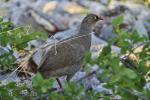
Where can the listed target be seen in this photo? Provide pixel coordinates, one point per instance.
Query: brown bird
(65, 58)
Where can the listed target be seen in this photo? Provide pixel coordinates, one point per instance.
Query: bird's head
(91, 19)
(88, 23)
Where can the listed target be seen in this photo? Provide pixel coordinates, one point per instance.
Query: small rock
(107, 32)
(10, 77)
(65, 34)
(147, 25)
(104, 2)
(94, 7)
(147, 86)
(3, 50)
(7, 49)
(128, 18)
(73, 8)
(101, 89)
(35, 43)
(117, 97)
(78, 75)
(90, 82)
(98, 44)
(139, 26)
(50, 6)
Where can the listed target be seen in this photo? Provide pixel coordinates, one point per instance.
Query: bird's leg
(61, 90)
(59, 83)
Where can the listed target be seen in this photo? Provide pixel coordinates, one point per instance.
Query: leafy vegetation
(125, 81)
(128, 83)
(14, 39)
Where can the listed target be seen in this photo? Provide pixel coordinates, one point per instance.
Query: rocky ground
(60, 19)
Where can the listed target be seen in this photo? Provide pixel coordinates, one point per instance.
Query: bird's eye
(95, 17)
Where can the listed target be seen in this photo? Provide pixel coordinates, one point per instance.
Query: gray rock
(90, 82)
(137, 10)
(10, 77)
(78, 75)
(139, 26)
(33, 43)
(107, 32)
(3, 50)
(98, 44)
(128, 18)
(65, 34)
(147, 25)
(101, 89)
(94, 7)
(105, 2)
(147, 86)
(7, 49)
(104, 30)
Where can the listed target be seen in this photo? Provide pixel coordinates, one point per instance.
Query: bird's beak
(101, 18)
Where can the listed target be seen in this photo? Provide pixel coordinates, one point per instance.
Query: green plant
(17, 39)
(12, 91)
(128, 82)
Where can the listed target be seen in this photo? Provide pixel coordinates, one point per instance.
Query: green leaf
(106, 51)
(41, 85)
(37, 80)
(115, 79)
(117, 21)
(87, 58)
(17, 38)
(129, 73)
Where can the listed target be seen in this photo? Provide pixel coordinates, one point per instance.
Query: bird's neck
(84, 32)
(85, 29)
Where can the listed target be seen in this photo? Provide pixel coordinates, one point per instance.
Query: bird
(65, 58)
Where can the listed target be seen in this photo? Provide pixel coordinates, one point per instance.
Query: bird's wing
(62, 55)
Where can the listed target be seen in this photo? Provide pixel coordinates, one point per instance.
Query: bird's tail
(27, 67)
